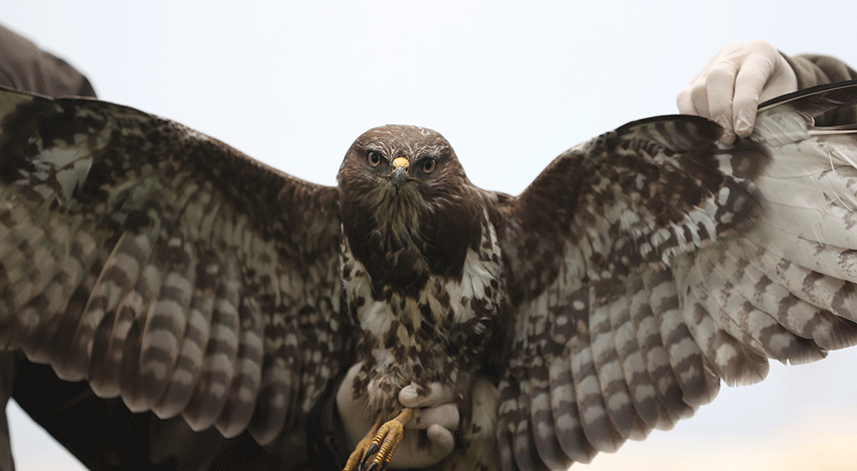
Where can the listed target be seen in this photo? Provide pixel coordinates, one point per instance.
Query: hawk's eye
(374, 158)
(429, 165)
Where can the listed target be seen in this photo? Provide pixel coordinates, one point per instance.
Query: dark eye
(374, 158)
(429, 165)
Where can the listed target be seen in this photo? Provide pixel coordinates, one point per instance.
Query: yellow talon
(381, 441)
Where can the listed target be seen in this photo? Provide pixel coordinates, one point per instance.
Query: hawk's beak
(400, 173)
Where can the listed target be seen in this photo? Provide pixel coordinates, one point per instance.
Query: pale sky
(510, 86)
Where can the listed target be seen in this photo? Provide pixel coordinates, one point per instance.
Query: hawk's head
(406, 203)
(401, 166)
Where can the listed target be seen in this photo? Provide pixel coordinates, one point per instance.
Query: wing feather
(693, 375)
(566, 419)
(619, 409)
(590, 403)
(221, 356)
(165, 267)
(654, 354)
(641, 391)
(547, 445)
(651, 263)
(798, 316)
(510, 413)
(188, 367)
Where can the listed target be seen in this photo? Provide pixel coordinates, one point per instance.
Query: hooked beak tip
(399, 178)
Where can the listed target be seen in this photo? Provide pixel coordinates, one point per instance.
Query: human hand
(730, 87)
(436, 413)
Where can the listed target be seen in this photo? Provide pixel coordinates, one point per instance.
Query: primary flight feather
(609, 298)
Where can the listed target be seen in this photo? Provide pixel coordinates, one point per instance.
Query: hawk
(608, 299)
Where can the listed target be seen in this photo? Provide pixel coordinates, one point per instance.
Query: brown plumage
(609, 298)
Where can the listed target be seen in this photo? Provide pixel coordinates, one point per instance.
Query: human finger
(445, 415)
(414, 452)
(749, 84)
(720, 88)
(699, 97)
(442, 443)
(352, 410)
(436, 395)
(684, 101)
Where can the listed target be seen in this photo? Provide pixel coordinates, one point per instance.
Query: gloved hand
(730, 87)
(436, 413)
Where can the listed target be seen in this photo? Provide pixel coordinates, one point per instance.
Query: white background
(510, 86)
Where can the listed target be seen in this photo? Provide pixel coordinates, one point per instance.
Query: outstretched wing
(165, 267)
(650, 263)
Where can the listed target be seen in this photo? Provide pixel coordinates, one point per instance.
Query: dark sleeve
(815, 69)
(23, 66)
(105, 436)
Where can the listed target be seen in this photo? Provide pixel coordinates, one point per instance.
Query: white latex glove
(730, 87)
(436, 413)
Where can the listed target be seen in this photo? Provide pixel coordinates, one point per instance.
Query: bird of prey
(608, 299)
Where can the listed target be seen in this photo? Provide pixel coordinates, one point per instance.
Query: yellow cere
(400, 162)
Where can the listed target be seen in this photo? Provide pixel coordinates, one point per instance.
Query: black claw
(373, 448)
(373, 467)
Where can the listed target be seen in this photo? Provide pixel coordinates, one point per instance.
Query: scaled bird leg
(381, 442)
(362, 446)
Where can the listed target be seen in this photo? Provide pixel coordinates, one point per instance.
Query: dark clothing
(812, 70)
(23, 66)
